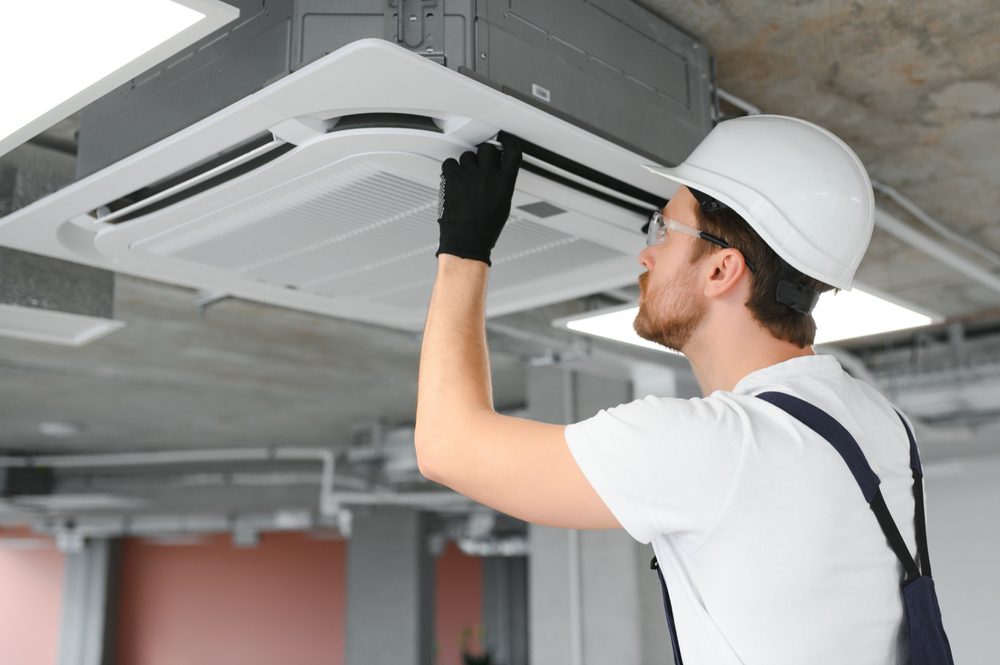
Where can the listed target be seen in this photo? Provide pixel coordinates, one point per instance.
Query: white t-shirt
(769, 550)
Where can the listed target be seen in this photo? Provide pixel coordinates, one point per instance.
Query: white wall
(963, 530)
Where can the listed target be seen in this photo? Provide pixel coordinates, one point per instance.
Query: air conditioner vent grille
(321, 225)
(388, 276)
(320, 235)
(546, 260)
(526, 253)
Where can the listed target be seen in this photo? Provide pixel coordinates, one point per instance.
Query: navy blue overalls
(927, 640)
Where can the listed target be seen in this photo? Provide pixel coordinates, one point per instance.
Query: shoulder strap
(827, 427)
(920, 523)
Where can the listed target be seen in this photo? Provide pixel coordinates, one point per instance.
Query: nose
(646, 258)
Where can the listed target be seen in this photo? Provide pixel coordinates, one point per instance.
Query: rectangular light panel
(61, 55)
(52, 327)
(839, 316)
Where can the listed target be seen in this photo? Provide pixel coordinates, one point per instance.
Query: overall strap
(827, 427)
(920, 524)
(669, 611)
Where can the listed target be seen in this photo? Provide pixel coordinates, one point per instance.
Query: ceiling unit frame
(319, 190)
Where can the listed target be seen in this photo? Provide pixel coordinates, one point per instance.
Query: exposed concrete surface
(913, 87)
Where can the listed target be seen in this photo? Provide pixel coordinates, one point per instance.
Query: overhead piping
(330, 500)
(926, 432)
(738, 102)
(921, 215)
(934, 248)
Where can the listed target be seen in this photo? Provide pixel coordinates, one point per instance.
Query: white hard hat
(801, 188)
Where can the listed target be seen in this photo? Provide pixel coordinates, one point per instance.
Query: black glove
(474, 200)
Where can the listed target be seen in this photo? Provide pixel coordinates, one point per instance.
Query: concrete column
(505, 608)
(390, 589)
(593, 598)
(89, 604)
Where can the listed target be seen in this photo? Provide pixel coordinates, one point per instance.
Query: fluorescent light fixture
(860, 313)
(63, 54)
(52, 327)
(839, 316)
(60, 429)
(60, 502)
(614, 323)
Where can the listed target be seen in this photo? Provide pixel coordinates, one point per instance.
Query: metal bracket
(417, 25)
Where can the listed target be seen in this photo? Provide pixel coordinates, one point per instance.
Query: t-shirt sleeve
(662, 465)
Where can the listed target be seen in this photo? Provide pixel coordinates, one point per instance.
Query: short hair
(780, 320)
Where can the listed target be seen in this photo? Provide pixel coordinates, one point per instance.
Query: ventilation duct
(305, 174)
(25, 481)
(54, 301)
(45, 299)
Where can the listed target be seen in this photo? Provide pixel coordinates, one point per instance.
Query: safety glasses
(659, 228)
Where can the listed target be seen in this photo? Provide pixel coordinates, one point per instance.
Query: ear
(726, 269)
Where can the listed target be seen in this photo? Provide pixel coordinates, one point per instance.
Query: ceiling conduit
(330, 502)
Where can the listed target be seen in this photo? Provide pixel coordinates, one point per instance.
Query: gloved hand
(474, 200)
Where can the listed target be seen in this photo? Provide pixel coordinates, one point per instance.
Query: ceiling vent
(43, 299)
(319, 191)
(25, 481)
(54, 301)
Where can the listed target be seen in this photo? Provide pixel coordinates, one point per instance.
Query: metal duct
(42, 298)
(31, 280)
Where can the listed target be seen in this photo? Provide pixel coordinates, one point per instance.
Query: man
(769, 549)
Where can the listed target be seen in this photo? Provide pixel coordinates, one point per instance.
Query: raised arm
(517, 466)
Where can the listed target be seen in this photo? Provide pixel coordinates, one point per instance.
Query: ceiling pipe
(935, 249)
(363, 494)
(330, 500)
(738, 102)
(925, 432)
(924, 217)
(70, 536)
(152, 458)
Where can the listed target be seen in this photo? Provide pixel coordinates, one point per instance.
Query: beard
(674, 332)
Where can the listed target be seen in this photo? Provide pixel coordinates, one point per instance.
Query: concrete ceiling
(234, 374)
(913, 87)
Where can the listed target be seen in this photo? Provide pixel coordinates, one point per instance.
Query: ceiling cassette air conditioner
(319, 192)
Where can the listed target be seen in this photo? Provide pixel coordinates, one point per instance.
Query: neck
(722, 352)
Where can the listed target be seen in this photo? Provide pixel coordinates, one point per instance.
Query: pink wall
(279, 602)
(459, 603)
(30, 601)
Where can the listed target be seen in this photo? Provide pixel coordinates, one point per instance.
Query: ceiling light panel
(839, 316)
(52, 327)
(69, 53)
(860, 313)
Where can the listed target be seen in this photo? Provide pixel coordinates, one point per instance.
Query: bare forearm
(519, 467)
(454, 384)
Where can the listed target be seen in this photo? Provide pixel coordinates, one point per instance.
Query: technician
(767, 544)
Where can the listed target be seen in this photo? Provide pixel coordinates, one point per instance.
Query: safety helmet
(801, 188)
